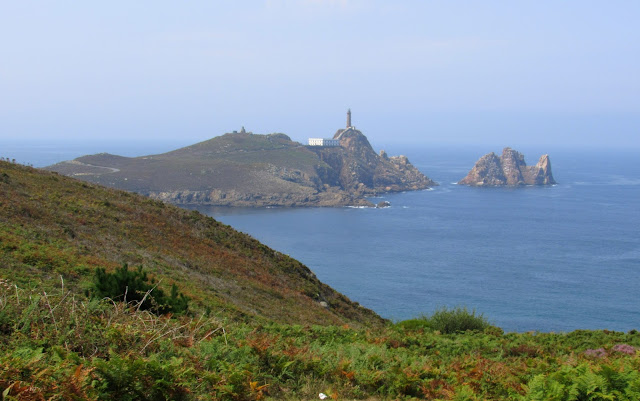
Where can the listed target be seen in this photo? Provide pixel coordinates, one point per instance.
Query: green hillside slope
(52, 226)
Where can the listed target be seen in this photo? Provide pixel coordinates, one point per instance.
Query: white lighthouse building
(326, 142)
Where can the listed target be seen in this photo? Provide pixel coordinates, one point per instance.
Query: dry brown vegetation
(52, 226)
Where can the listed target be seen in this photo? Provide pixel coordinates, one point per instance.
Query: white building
(323, 142)
(333, 142)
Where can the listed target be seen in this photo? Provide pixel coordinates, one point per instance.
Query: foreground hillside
(244, 169)
(257, 328)
(56, 346)
(54, 227)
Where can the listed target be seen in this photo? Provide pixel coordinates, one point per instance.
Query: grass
(449, 321)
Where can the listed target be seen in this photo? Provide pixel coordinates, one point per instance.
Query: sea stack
(508, 170)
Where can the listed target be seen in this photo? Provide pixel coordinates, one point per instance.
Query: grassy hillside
(250, 333)
(52, 226)
(227, 162)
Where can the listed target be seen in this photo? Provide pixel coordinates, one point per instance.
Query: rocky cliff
(244, 169)
(509, 169)
(359, 170)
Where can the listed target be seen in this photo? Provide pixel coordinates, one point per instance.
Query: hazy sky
(499, 72)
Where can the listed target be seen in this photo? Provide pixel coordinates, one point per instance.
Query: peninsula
(246, 169)
(509, 169)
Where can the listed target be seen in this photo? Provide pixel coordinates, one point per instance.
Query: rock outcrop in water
(509, 169)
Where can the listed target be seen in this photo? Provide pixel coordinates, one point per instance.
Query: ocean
(556, 258)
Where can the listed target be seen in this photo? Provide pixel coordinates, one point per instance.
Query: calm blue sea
(544, 259)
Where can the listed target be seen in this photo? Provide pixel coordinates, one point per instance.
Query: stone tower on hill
(348, 118)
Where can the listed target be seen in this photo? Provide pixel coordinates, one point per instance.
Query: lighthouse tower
(348, 118)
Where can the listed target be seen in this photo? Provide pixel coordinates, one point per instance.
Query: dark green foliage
(134, 286)
(5, 322)
(457, 319)
(178, 302)
(449, 321)
(122, 285)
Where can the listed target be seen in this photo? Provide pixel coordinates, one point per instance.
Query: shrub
(448, 321)
(625, 349)
(457, 319)
(134, 286)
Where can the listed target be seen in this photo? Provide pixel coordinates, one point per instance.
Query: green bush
(449, 321)
(134, 286)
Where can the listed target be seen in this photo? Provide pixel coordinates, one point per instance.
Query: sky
(435, 72)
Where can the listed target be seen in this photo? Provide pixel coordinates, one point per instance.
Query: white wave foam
(625, 181)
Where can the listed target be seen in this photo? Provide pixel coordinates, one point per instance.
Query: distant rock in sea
(508, 170)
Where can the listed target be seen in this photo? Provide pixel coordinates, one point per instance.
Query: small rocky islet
(509, 170)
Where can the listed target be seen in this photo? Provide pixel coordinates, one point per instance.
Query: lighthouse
(348, 118)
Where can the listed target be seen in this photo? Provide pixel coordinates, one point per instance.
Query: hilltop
(53, 227)
(245, 169)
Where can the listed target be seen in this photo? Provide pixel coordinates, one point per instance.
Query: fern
(586, 382)
(139, 379)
